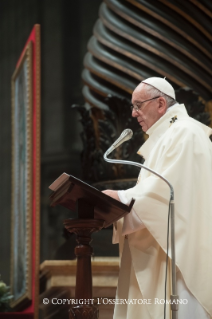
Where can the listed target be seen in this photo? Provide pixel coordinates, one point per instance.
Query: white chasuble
(180, 150)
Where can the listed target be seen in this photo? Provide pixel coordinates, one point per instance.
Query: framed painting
(26, 178)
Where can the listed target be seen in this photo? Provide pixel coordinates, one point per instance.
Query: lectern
(95, 211)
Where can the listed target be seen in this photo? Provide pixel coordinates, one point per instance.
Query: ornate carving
(84, 312)
(194, 104)
(101, 129)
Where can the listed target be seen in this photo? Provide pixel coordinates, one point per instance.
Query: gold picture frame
(21, 256)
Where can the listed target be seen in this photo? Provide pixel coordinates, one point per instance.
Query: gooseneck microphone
(125, 136)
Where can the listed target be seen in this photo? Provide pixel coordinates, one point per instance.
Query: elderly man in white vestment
(180, 150)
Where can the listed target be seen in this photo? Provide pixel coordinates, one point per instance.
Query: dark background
(66, 27)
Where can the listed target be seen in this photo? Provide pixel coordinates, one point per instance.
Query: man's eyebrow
(137, 102)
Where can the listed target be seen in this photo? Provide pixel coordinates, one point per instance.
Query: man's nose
(134, 113)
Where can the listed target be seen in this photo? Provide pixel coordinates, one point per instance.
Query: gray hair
(155, 92)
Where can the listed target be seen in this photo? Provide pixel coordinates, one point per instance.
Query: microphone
(125, 136)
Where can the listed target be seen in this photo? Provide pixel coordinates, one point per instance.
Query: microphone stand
(174, 297)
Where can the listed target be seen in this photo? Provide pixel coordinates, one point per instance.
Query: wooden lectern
(95, 211)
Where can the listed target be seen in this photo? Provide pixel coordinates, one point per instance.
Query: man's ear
(162, 107)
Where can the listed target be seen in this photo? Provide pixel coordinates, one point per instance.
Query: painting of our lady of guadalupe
(21, 189)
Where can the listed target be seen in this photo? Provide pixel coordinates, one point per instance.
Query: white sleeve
(132, 222)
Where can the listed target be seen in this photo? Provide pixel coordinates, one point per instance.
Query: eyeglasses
(137, 108)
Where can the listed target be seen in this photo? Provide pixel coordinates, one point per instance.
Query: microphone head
(125, 136)
(128, 133)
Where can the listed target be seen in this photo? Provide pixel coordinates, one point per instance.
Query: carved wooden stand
(73, 194)
(83, 228)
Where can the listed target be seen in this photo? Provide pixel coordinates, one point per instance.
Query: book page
(59, 182)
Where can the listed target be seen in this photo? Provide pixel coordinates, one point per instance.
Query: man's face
(150, 111)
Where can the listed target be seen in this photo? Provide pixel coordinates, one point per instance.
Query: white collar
(169, 108)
